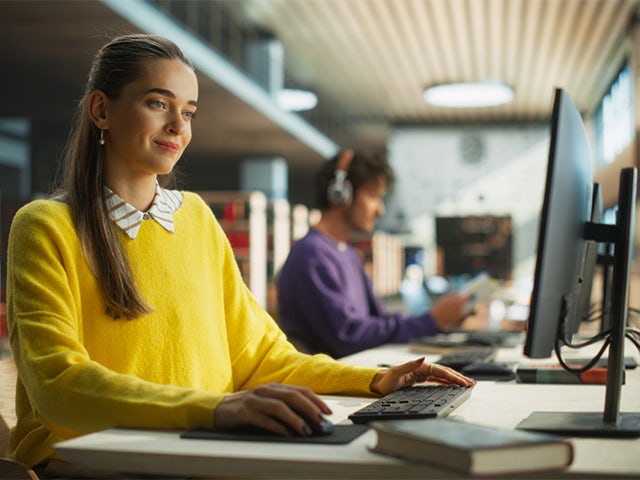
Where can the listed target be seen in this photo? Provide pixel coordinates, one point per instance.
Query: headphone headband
(340, 191)
(344, 160)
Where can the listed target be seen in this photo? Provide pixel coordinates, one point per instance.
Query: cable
(632, 334)
(633, 340)
(590, 341)
(591, 363)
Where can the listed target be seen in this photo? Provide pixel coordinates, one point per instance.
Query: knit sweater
(81, 371)
(327, 304)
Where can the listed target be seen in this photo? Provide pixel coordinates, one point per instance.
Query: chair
(9, 469)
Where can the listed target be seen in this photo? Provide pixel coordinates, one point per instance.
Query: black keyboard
(458, 359)
(414, 402)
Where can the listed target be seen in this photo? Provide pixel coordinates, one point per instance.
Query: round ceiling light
(468, 95)
(293, 100)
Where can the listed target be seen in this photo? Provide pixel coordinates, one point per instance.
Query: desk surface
(501, 404)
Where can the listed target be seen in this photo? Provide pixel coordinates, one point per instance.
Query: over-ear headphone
(340, 191)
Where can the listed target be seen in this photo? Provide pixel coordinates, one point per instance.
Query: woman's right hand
(279, 408)
(416, 371)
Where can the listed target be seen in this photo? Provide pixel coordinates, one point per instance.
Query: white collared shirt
(128, 218)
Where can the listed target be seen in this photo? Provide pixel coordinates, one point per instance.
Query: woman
(125, 305)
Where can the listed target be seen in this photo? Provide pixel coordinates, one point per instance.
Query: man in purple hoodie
(325, 299)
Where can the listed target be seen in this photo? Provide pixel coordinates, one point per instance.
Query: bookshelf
(383, 258)
(388, 263)
(299, 222)
(280, 231)
(243, 217)
(259, 232)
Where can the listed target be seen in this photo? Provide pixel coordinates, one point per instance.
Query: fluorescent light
(296, 100)
(467, 95)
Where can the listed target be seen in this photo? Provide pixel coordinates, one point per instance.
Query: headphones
(340, 191)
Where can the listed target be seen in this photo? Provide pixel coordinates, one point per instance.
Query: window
(614, 124)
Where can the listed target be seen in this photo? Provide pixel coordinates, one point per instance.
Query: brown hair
(117, 64)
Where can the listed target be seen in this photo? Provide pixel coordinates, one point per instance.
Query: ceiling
(46, 48)
(368, 60)
(374, 57)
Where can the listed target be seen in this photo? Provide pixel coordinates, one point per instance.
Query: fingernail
(420, 360)
(306, 430)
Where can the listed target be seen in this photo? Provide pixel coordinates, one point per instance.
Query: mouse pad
(342, 434)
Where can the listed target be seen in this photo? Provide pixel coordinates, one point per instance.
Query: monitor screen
(561, 245)
(475, 243)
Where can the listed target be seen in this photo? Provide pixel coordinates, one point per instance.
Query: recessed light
(293, 100)
(468, 95)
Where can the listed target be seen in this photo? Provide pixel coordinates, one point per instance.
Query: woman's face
(149, 125)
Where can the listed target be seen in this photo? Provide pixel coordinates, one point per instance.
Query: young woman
(125, 305)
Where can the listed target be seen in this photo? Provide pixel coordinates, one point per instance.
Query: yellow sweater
(82, 371)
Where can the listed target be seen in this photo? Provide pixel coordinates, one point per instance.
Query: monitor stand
(608, 424)
(611, 423)
(582, 424)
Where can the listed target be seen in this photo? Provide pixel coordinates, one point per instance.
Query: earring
(101, 140)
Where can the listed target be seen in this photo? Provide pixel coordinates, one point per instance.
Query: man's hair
(364, 168)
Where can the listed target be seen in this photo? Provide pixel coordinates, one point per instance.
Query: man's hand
(448, 311)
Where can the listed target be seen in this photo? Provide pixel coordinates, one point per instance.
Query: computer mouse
(488, 371)
(325, 427)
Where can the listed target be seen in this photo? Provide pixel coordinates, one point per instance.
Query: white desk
(492, 403)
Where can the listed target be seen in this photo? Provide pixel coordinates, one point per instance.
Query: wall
(475, 170)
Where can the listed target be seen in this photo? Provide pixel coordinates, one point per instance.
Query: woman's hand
(281, 409)
(416, 371)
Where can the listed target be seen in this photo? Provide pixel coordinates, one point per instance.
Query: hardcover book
(472, 449)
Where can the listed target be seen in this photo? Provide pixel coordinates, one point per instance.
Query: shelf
(259, 233)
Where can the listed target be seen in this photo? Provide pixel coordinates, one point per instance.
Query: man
(326, 300)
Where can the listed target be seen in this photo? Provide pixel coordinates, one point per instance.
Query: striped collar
(128, 218)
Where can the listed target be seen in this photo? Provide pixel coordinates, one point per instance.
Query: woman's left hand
(416, 371)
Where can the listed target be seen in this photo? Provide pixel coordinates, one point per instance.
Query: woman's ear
(97, 106)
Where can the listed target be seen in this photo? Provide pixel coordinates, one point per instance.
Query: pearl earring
(101, 140)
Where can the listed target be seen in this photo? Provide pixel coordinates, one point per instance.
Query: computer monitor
(566, 208)
(564, 232)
